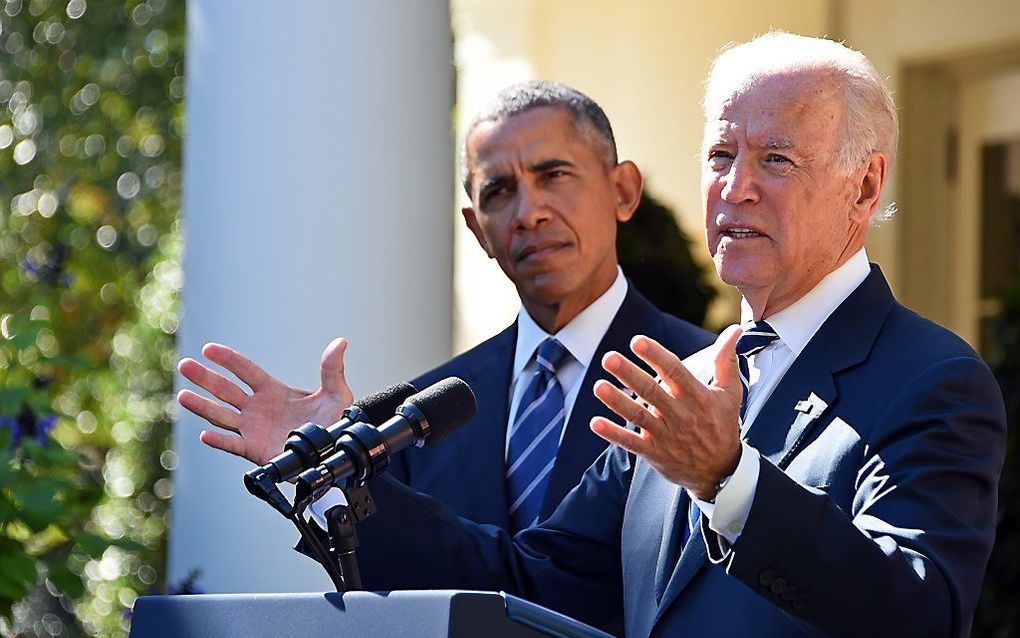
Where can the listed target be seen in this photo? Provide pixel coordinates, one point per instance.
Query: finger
(225, 442)
(209, 410)
(629, 440)
(666, 364)
(727, 372)
(630, 375)
(213, 382)
(332, 368)
(629, 409)
(241, 366)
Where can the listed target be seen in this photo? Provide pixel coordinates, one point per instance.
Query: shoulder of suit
(682, 337)
(465, 362)
(908, 334)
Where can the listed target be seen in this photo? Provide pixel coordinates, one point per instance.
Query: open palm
(257, 423)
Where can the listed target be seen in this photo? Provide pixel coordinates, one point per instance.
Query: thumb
(727, 374)
(332, 367)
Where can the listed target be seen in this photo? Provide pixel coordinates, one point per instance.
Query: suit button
(777, 586)
(766, 577)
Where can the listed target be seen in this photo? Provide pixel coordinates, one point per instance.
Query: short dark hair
(588, 118)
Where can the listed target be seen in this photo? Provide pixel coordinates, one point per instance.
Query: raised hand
(689, 432)
(257, 426)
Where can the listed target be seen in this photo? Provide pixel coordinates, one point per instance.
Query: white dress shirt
(795, 326)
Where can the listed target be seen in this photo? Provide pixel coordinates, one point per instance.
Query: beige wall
(932, 260)
(645, 60)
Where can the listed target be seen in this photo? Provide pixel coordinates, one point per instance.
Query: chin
(741, 273)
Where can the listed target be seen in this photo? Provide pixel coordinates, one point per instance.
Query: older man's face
(777, 215)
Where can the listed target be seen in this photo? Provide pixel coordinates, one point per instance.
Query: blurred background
(271, 175)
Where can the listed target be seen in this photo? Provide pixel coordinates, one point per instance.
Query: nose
(739, 184)
(532, 207)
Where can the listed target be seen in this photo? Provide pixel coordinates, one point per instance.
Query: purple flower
(43, 426)
(13, 426)
(29, 424)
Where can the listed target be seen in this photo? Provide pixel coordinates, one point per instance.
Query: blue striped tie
(535, 437)
(756, 337)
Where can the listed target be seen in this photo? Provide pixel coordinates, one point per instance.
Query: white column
(317, 203)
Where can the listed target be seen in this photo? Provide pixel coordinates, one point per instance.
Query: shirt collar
(797, 323)
(581, 337)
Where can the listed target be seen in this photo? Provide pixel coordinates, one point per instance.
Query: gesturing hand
(258, 428)
(689, 432)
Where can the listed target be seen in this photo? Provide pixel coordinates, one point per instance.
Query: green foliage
(656, 255)
(91, 119)
(998, 613)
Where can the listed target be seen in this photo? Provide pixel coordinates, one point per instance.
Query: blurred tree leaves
(998, 613)
(91, 120)
(656, 255)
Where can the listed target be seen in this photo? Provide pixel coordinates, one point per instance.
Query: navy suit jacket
(874, 512)
(466, 470)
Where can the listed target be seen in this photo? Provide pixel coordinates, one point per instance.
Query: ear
(472, 222)
(869, 189)
(628, 183)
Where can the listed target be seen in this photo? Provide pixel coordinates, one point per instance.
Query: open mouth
(741, 233)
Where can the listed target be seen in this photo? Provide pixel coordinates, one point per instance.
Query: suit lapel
(806, 392)
(483, 454)
(808, 389)
(580, 446)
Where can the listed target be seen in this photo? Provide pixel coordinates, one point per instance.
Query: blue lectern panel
(452, 614)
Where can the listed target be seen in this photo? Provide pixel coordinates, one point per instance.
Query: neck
(766, 302)
(552, 317)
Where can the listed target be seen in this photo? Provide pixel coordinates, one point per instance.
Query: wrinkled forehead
(779, 106)
(523, 139)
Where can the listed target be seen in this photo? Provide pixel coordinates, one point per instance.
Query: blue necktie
(755, 338)
(535, 437)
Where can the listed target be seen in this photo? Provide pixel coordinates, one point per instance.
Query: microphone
(364, 451)
(310, 443)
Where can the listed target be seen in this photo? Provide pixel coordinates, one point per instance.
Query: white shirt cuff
(333, 497)
(728, 515)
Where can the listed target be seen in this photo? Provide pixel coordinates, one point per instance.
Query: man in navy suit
(828, 468)
(547, 191)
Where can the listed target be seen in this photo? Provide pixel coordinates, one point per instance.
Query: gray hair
(589, 119)
(870, 123)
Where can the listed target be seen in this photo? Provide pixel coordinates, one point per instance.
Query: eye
(718, 158)
(776, 158)
(492, 195)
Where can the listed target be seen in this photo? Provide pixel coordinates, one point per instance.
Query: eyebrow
(499, 179)
(780, 144)
(549, 164)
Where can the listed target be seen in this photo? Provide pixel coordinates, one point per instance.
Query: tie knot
(756, 336)
(550, 354)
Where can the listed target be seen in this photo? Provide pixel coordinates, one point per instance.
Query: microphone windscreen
(380, 406)
(447, 405)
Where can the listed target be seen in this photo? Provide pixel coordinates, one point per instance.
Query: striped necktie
(756, 337)
(535, 437)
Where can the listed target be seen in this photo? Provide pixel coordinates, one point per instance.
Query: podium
(447, 613)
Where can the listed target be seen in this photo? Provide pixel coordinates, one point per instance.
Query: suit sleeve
(571, 563)
(908, 559)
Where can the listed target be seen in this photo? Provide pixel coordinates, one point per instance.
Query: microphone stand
(339, 560)
(343, 537)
